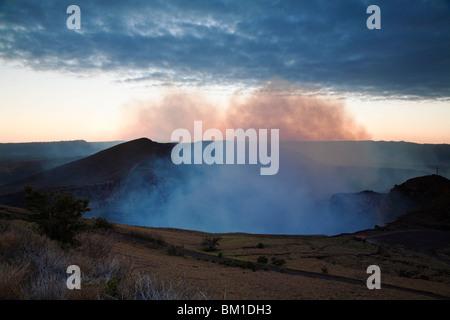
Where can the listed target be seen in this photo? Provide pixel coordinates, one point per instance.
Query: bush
(278, 262)
(174, 250)
(149, 287)
(262, 259)
(210, 244)
(57, 215)
(102, 223)
(95, 245)
(110, 288)
(239, 264)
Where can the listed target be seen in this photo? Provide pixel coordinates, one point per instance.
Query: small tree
(56, 214)
(210, 243)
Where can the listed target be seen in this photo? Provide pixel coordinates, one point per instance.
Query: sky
(145, 68)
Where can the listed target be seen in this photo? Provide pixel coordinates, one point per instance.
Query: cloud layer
(239, 42)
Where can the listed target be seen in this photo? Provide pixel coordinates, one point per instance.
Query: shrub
(239, 264)
(262, 259)
(278, 262)
(95, 245)
(102, 223)
(210, 244)
(174, 250)
(150, 287)
(57, 215)
(110, 288)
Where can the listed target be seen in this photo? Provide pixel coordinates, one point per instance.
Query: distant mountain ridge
(420, 211)
(21, 160)
(421, 201)
(387, 154)
(104, 167)
(132, 176)
(27, 151)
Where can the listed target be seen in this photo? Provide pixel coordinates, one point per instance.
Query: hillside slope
(106, 167)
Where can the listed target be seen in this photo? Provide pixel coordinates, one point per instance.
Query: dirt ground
(284, 267)
(316, 267)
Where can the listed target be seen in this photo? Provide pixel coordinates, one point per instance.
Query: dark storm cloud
(226, 42)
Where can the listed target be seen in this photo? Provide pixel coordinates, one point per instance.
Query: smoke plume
(276, 105)
(226, 198)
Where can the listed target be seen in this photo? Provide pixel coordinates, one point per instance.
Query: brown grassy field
(242, 266)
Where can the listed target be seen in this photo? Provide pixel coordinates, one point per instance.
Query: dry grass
(339, 256)
(34, 267)
(129, 262)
